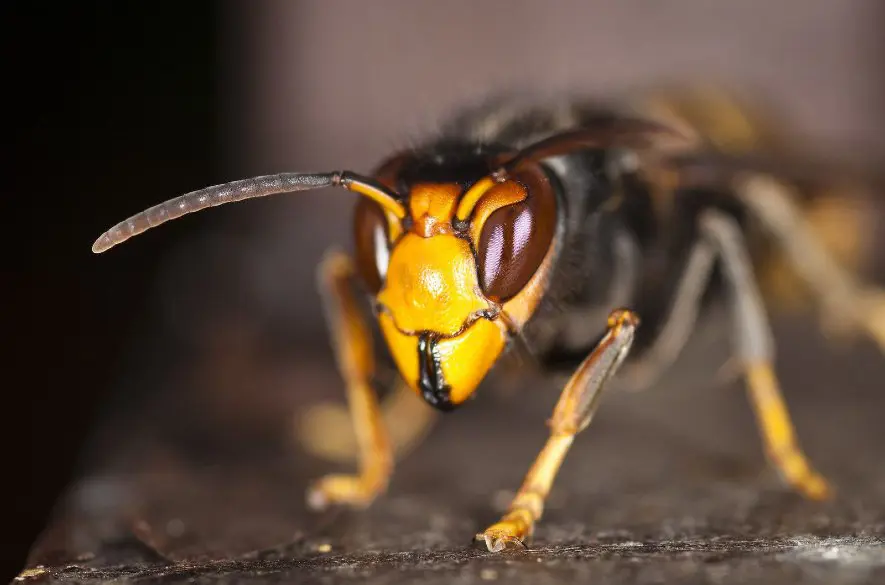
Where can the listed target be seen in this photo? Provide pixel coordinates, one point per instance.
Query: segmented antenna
(210, 197)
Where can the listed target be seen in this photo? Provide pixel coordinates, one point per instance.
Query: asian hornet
(535, 226)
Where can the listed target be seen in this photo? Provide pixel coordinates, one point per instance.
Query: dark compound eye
(515, 238)
(372, 247)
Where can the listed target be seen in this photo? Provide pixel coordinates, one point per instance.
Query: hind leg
(844, 302)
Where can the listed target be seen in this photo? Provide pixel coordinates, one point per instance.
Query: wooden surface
(665, 486)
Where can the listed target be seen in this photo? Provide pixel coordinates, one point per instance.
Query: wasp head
(458, 275)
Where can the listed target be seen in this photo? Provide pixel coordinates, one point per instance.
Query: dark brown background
(198, 344)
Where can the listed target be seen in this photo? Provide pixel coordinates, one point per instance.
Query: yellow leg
(777, 432)
(574, 410)
(754, 348)
(353, 350)
(326, 429)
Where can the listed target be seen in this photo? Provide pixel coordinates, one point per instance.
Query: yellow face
(442, 328)
(433, 316)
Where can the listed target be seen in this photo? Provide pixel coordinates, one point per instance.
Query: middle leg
(721, 239)
(754, 347)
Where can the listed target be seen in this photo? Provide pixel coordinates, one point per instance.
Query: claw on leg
(511, 532)
(780, 441)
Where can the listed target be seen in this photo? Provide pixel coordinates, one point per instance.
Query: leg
(754, 346)
(353, 349)
(681, 319)
(575, 408)
(843, 301)
(326, 429)
(755, 350)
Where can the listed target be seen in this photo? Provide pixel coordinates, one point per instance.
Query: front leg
(353, 350)
(576, 406)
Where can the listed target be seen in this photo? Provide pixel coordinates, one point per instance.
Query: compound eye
(372, 246)
(515, 240)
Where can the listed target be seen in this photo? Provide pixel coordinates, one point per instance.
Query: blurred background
(204, 337)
